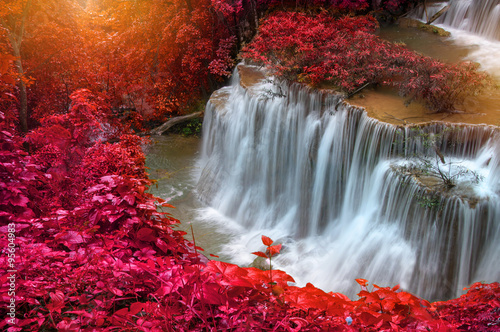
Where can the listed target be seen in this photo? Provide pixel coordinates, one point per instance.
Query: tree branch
(172, 122)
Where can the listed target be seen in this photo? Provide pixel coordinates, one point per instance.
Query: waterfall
(333, 186)
(473, 24)
(478, 17)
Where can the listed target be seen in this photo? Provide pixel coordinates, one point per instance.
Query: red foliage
(478, 310)
(394, 7)
(162, 56)
(8, 100)
(351, 5)
(398, 7)
(346, 54)
(338, 5)
(17, 176)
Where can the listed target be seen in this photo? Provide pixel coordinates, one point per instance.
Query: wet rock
(412, 23)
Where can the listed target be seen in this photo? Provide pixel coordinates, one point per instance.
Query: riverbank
(386, 106)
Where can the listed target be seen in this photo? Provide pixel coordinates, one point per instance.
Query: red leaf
(405, 297)
(274, 250)
(122, 312)
(267, 241)
(260, 254)
(213, 294)
(130, 199)
(19, 200)
(362, 282)
(168, 205)
(136, 307)
(388, 305)
(57, 302)
(340, 296)
(224, 268)
(280, 277)
(368, 319)
(116, 291)
(146, 234)
(234, 275)
(58, 296)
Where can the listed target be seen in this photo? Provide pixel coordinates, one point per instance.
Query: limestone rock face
(250, 75)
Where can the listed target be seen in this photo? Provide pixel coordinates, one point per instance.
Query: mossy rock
(412, 23)
(434, 29)
(260, 263)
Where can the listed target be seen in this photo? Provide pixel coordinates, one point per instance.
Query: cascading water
(472, 23)
(478, 17)
(336, 188)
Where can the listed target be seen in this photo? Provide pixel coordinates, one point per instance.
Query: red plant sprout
(270, 252)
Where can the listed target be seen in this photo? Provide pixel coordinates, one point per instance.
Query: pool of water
(442, 48)
(172, 163)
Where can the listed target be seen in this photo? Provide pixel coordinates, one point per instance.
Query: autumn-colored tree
(156, 57)
(395, 7)
(8, 99)
(43, 38)
(56, 57)
(160, 54)
(13, 16)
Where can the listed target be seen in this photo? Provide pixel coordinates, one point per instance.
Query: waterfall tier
(478, 17)
(348, 196)
(473, 24)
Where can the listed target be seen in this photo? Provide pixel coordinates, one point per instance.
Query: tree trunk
(172, 122)
(23, 96)
(15, 35)
(437, 15)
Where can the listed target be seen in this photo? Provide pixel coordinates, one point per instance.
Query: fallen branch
(172, 122)
(349, 95)
(437, 15)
